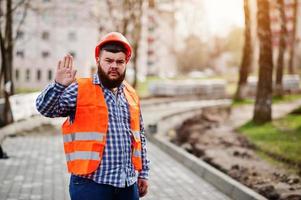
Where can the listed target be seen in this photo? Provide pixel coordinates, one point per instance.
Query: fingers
(142, 186)
(142, 191)
(68, 62)
(59, 65)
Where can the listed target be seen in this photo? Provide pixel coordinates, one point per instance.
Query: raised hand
(65, 74)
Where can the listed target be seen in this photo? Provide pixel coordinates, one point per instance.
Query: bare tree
(247, 55)
(291, 68)
(129, 24)
(136, 16)
(263, 103)
(194, 56)
(7, 41)
(282, 47)
(118, 12)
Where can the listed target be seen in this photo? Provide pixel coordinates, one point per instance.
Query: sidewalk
(36, 170)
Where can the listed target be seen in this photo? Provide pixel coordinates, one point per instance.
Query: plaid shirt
(116, 167)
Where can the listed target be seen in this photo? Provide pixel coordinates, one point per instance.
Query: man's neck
(114, 90)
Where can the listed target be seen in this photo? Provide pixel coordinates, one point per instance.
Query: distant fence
(22, 106)
(290, 83)
(208, 89)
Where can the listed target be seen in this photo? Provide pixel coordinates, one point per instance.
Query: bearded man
(104, 140)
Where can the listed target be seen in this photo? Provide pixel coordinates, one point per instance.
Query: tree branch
(22, 19)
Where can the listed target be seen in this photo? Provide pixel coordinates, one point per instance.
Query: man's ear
(97, 59)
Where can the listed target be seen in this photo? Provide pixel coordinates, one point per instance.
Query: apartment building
(53, 28)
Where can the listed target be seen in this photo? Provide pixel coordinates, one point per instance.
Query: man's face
(111, 68)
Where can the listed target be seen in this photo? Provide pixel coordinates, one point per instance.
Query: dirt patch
(211, 137)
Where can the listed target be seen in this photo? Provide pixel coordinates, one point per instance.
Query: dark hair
(114, 47)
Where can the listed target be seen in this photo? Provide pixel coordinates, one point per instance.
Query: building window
(20, 54)
(150, 52)
(17, 74)
(20, 34)
(49, 75)
(27, 75)
(72, 36)
(45, 54)
(73, 54)
(45, 35)
(38, 75)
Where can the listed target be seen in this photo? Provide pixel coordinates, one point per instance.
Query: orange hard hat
(114, 37)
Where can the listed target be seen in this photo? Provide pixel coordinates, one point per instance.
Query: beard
(107, 82)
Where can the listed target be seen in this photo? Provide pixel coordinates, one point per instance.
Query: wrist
(59, 87)
(60, 83)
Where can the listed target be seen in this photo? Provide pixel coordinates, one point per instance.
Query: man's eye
(120, 62)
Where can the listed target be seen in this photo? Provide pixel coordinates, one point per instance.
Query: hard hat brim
(126, 45)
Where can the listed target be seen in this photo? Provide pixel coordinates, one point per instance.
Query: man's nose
(114, 64)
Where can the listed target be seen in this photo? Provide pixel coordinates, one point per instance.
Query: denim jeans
(86, 189)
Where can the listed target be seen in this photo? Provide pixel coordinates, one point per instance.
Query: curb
(25, 125)
(221, 181)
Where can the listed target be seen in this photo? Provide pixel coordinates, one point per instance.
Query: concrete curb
(25, 125)
(221, 181)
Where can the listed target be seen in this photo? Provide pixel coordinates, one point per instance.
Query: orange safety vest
(85, 138)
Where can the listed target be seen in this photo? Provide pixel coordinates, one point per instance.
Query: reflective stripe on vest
(82, 155)
(136, 135)
(136, 153)
(83, 136)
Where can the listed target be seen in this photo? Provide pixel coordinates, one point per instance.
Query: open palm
(65, 74)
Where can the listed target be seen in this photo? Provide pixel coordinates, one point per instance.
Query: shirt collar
(97, 81)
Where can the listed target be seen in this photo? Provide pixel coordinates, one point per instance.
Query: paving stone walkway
(36, 170)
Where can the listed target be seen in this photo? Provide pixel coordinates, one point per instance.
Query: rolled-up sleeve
(57, 100)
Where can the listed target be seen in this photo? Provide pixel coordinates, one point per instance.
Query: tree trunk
(136, 40)
(3, 59)
(247, 56)
(282, 46)
(126, 8)
(7, 56)
(291, 68)
(263, 103)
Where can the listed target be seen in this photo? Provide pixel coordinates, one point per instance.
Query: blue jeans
(86, 189)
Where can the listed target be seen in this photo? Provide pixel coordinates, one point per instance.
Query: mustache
(106, 81)
(114, 71)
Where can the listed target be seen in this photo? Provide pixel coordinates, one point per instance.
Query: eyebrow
(117, 60)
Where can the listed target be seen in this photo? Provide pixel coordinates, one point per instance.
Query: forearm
(54, 101)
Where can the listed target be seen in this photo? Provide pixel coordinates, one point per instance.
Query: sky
(206, 18)
(221, 15)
